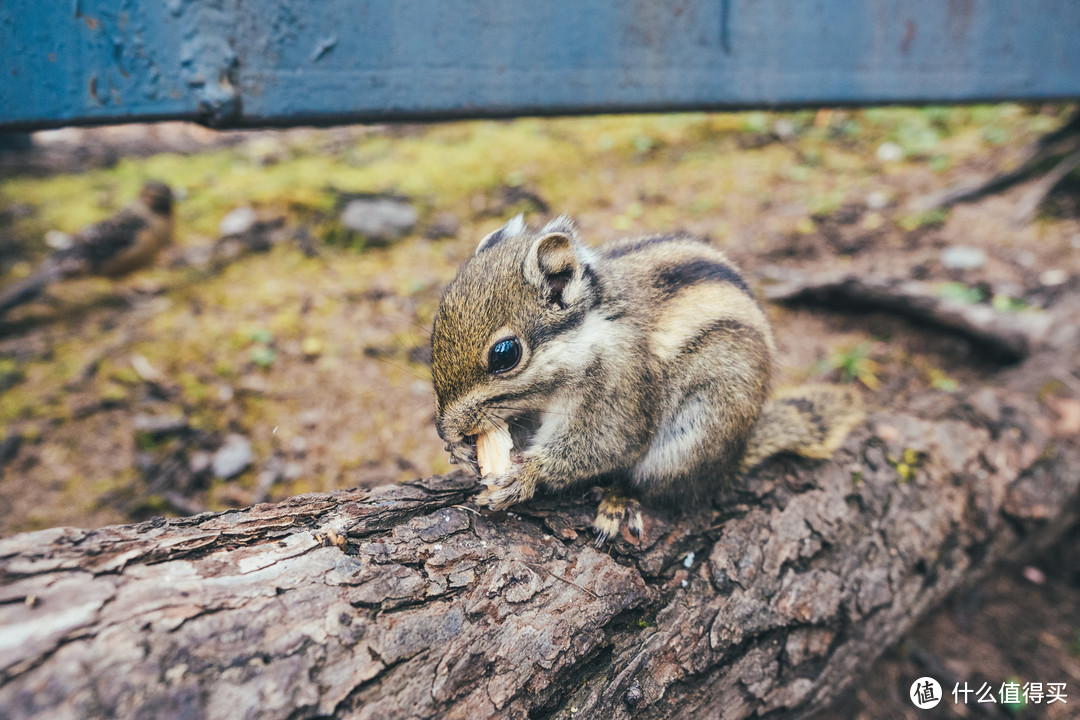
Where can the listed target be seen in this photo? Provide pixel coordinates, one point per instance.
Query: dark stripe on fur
(596, 286)
(496, 237)
(728, 327)
(548, 387)
(670, 280)
(568, 320)
(640, 245)
(589, 274)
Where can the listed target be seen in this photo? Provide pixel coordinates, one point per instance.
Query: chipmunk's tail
(810, 420)
(26, 289)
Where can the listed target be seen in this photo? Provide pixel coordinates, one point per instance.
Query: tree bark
(407, 602)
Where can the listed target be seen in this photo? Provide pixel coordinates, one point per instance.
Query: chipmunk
(642, 365)
(129, 240)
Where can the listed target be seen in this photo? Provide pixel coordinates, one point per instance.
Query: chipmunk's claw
(509, 488)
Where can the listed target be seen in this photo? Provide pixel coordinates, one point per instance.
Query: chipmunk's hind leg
(615, 508)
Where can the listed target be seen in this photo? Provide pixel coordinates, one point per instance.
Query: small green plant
(960, 291)
(939, 163)
(930, 218)
(146, 442)
(941, 381)
(855, 363)
(1005, 303)
(644, 143)
(261, 335)
(907, 464)
(263, 356)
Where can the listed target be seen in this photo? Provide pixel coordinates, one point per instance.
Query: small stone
(784, 129)
(252, 385)
(1034, 575)
(145, 370)
(158, 425)
(379, 219)
(299, 446)
(58, 240)
(312, 347)
(310, 418)
(1057, 276)
(877, 200)
(890, 152)
(232, 457)
(237, 222)
(963, 257)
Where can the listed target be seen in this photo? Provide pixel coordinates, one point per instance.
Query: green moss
(930, 218)
(194, 389)
(111, 393)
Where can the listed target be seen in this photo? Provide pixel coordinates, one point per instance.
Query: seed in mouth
(493, 448)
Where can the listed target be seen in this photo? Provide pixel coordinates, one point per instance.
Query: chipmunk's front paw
(510, 488)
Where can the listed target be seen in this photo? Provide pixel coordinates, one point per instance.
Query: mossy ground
(234, 347)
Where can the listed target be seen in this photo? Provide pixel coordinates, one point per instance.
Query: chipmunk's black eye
(504, 355)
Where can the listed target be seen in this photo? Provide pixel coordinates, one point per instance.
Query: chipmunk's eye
(504, 355)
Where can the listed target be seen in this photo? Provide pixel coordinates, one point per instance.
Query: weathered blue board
(257, 62)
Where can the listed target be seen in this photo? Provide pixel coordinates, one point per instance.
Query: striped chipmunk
(642, 366)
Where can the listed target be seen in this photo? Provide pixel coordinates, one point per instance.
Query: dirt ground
(306, 342)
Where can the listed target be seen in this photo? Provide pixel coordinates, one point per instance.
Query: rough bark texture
(406, 602)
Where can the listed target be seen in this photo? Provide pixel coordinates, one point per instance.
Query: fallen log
(408, 602)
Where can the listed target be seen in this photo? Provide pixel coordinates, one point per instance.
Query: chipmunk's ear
(515, 227)
(556, 263)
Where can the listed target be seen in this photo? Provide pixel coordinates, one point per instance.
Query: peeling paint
(233, 63)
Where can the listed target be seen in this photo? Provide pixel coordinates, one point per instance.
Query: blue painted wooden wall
(287, 62)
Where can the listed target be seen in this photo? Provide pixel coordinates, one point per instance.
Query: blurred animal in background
(128, 241)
